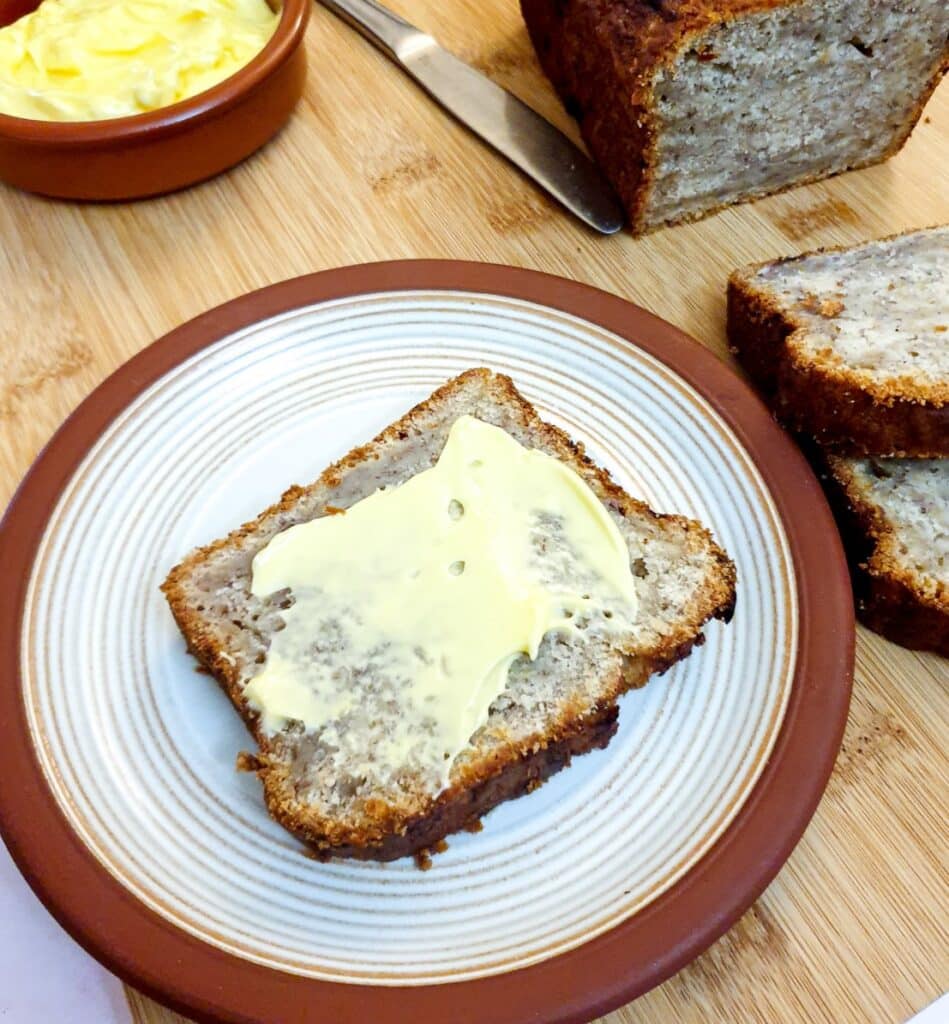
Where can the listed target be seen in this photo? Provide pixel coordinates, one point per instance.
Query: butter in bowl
(121, 99)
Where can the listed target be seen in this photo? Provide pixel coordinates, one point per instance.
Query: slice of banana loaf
(851, 346)
(894, 517)
(690, 105)
(330, 784)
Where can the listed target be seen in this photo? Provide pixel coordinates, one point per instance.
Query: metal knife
(510, 126)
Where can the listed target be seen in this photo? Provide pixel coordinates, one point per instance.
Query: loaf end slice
(692, 105)
(559, 705)
(851, 346)
(894, 518)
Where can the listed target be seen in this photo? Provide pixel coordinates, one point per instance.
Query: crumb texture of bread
(851, 345)
(909, 503)
(552, 708)
(878, 313)
(894, 514)
(691, 105)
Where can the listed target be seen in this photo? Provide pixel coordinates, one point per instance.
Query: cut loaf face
(852, 346)
(691, 105)
(562, 703)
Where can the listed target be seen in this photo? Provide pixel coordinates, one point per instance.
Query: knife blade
(506, 123)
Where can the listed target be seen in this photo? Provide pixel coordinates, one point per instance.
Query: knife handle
(380, 26)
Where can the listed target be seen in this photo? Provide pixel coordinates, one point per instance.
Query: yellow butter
(87, 60)
(437, 585)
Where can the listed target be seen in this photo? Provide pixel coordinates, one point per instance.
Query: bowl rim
(279, 48)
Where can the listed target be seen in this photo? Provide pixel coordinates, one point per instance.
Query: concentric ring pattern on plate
(140, 750)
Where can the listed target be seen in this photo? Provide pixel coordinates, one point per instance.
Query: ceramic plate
(141, 836)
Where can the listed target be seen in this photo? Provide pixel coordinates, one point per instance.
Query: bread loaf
(690, 105)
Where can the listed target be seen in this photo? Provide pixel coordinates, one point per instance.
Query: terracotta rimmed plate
(128, 818)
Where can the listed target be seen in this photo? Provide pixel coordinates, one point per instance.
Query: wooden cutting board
(854, 928)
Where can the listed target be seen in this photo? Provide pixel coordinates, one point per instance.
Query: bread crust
(480, 784)
(887, 595)
(602, 57)
(456, 812)
(579, 48)
(840, 411)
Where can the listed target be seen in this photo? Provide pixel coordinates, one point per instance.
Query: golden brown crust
(506, 767)
(602, 57)
(459, 809)
(890, 598)
(578, 46)
(841, 409)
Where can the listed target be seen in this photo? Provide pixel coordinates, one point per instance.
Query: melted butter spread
(413, 604)
(87, 60)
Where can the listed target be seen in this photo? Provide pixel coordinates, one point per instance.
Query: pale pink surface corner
(44, 975)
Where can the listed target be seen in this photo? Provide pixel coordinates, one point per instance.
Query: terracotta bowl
(165, 149)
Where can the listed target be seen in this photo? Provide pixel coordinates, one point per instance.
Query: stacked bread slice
(851, 349)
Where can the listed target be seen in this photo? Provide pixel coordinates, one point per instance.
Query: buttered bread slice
(441, 620)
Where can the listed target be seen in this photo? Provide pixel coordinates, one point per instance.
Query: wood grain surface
(854, 929)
